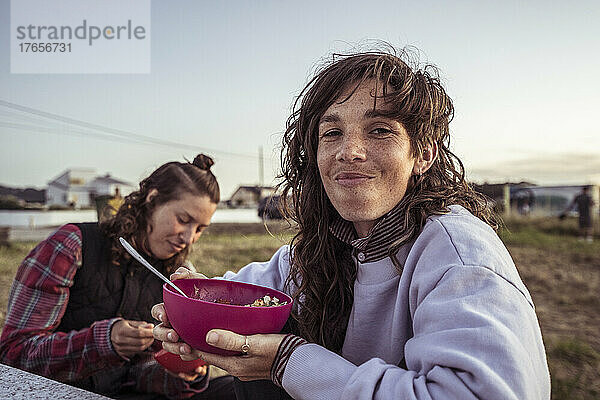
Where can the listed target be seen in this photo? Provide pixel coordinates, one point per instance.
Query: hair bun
(203, 162)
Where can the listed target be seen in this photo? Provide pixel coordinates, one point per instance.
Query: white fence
(40, 219)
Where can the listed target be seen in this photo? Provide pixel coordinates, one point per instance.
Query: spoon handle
(146, 264)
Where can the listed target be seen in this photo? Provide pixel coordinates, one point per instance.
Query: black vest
(102, 290)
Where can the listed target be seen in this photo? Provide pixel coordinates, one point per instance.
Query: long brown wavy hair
(322, 269)
(171, 180)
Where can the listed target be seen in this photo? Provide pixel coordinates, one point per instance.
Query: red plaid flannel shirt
(37, 302)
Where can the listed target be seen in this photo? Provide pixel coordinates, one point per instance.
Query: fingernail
(171, 336)
(212, 337)
(184, 349)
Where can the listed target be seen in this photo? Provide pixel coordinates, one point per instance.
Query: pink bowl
(174, 363)
(192, 318)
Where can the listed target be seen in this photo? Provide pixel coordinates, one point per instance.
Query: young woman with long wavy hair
(402, 288)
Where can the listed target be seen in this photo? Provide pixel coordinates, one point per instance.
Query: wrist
(102, 331)
(287, 346)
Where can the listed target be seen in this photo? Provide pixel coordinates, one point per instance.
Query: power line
(112, 132)
(68, 132)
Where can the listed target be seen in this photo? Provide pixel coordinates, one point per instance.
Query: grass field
(562, 274)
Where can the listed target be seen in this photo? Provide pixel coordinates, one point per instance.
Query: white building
(79, 187)
(107, 185)
(249, 196)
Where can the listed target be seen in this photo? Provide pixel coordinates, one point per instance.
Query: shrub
(55, 207)
(10, 203)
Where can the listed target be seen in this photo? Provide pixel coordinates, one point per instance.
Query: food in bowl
(265, 301)
(223, 304)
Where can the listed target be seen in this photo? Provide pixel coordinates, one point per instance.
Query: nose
(187, 236)
(351, 148)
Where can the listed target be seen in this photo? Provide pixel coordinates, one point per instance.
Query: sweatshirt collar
(374, 246)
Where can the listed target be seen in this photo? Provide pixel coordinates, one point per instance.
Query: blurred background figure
(107, 205)
(583, 203)
(525, 201)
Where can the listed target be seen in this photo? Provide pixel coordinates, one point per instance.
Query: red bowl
(192, 318)
(174, 363)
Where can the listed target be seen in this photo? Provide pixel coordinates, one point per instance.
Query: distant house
(250, 196)
(106, 184)
(79, 187)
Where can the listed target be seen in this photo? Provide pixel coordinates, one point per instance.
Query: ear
(151, 194)
(425, 160)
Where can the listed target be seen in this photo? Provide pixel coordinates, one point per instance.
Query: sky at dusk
(523, 77)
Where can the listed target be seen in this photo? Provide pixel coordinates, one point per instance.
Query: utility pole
(506, 196)
(261, 167)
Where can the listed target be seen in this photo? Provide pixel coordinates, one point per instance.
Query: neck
(141, 248)
(363, 227)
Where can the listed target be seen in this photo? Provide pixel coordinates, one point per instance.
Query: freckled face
(364, 159)
(177, 224)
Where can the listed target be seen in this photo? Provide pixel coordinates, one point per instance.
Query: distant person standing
(525, 201)
(584, 204)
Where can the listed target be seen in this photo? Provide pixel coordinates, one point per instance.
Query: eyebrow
(330, 118)
(188, 215)
(193, 219)
(376, 114)
(369, 114)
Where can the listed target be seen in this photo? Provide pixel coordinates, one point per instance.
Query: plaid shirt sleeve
(37, 301)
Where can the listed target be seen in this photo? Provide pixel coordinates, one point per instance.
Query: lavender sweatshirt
(459, 314)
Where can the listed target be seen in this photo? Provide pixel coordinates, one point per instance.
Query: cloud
(548, 169)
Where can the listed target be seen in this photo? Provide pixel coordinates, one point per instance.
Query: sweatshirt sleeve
(272, 273)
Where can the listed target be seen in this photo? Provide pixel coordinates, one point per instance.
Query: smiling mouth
(176, 247)
(351, 179)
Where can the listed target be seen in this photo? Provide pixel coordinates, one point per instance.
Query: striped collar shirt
(375, 245)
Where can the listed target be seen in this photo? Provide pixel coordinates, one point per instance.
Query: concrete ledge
(20, 385)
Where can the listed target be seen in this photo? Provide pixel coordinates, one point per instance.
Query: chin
(169, 255)
(354, 210)
(357, 215)
(164, 255)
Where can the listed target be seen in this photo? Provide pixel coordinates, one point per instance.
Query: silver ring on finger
(245, 346)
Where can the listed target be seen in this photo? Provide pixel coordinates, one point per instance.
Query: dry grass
(218, 253)
(10, 257)
(562, 274)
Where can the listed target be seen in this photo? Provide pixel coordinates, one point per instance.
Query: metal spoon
(146, 264)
